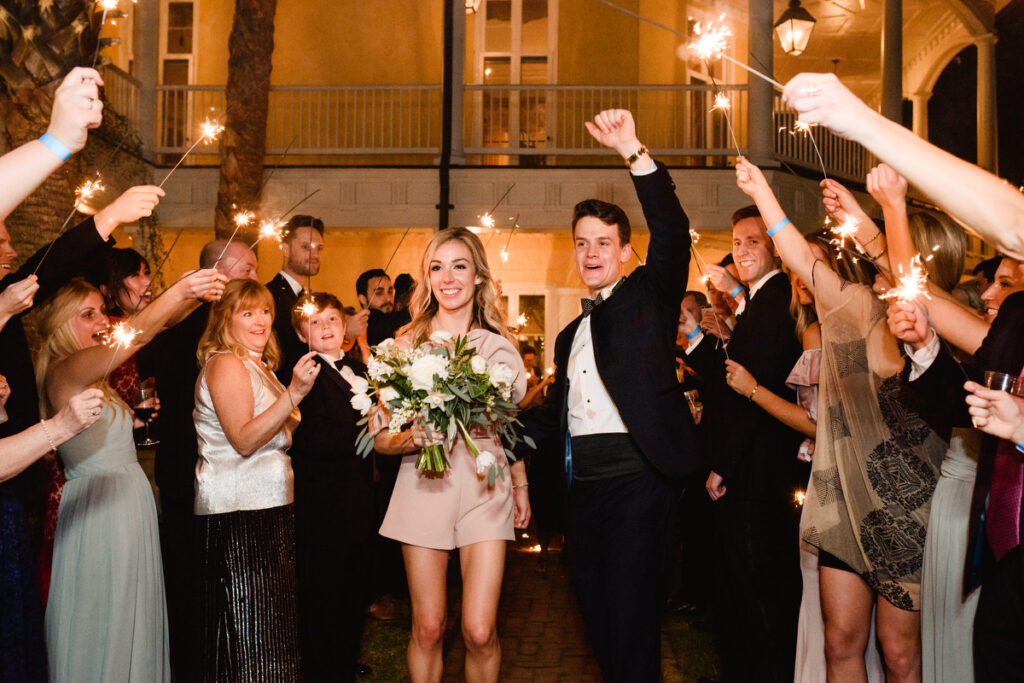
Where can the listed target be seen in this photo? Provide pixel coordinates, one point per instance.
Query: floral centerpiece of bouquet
(451, 389)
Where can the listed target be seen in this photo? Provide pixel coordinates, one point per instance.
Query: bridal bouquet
(451, 388)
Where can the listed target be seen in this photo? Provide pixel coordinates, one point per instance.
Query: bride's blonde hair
(487, 313)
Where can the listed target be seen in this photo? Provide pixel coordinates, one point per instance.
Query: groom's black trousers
(617, 549)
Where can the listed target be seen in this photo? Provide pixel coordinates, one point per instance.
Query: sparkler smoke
(208, 132)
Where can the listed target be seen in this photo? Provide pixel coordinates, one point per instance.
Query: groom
(618, 406)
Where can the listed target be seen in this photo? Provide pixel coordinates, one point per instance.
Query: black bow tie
(589, 304)
(340, 363)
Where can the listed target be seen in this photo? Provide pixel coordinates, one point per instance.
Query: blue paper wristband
(778, 226)
(1020, 447)
(55, 146)
(736, 291)
(693, 335)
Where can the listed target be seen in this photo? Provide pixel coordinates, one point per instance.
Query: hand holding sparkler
(206, 285)
(823, 99)
(908, 324)
(303, 375)
(720, 278)
(713, 324)
(17, 298)
(615, 129)
(355, 324)
(840, 203)
(739, 379)
(134, 203)
(751, 180)
(76, 108)
(887, 187)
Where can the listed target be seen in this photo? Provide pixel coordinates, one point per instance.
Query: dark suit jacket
(381, 326)
(634, 335)
(940, 388)
(291, 347)
(72, 252)
(174, 364)
(754, 452)
(333, 485)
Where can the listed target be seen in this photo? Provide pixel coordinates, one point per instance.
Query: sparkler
(846, 231)
(83, 193)
(521, 320)
(106, 6)
(504, 253)
(121, 336)
(308, 308)
(723, 104)
(711, 43)
(208, 132)
(910, 284)
(804, 127)
(487, 220)
(705, 279)
(241, 219)
(799, 497)
(397, 246)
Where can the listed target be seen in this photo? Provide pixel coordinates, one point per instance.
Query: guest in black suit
(300, 252)
(754, 473)
(376, 294)
(174, 364)
(335, 521)
(617, 401)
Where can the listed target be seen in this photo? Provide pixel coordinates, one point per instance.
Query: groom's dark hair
(607, 213)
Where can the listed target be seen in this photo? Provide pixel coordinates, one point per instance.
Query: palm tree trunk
(243, 142)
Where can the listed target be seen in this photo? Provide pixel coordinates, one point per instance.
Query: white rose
(479, 365)
(385, 346)
(387, 394)
(501, 375)
(421, 372)
(440, 337)
(436, 399)
(359, 385)
(362, 403)
(484, 461)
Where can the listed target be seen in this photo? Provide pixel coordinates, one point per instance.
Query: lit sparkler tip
(122, 334)
(709, 41)
(722, 102)
(799, 497)
(86, 190)
(308, 308)
(503, 255)
(521, 320)
(911, 284)
(209, 130)
(243, 218)
(487, 220)
(107, 5)
(694, 236)
(271, 228)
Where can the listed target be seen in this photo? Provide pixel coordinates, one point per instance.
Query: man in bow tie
(618, 406)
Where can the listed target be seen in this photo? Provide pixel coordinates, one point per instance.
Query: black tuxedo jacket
(333, 484)
(634, 334)
(291, 347)
(72, 252)
(381, 326)
(176, 368)
(754, 452)
(940, 388)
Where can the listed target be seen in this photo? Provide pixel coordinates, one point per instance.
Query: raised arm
(790, 244)
(992, 207)
(889, 189)
(842, 206)
(231, 393)
(76, 109)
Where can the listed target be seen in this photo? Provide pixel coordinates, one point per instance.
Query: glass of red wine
(145, 408)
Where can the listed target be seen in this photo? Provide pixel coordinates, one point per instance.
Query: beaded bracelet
(46, 430)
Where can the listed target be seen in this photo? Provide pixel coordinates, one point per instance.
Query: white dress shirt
(591, 409)
(923, 358)
(292, 282)
(753, 290)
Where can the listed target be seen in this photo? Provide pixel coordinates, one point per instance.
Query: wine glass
(145, 407)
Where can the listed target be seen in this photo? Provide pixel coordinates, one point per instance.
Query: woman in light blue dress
(106, 619)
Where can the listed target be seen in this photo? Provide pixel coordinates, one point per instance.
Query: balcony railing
(502, 124)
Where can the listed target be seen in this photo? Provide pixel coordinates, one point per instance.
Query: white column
(458, 157)
(988, 135)
(760, 116)
(920, 100)
(892, 60)
(146, 24)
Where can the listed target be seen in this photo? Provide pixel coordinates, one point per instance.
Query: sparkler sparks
(208, 132)
(308, 308)
(722, 102)
(243, 218)
(694, 236)
(86, 190)
(272, 228)
(799, 497)
(845, 231)
(521, 320)
(107, 5)
(121, 336)
(487, 220)
(711, 40)
(910, 284)
(503, 255)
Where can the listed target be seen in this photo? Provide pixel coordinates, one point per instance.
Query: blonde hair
(861, 272)
(487, 314)
(239, 295)
(930, 229)
(59, 340)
